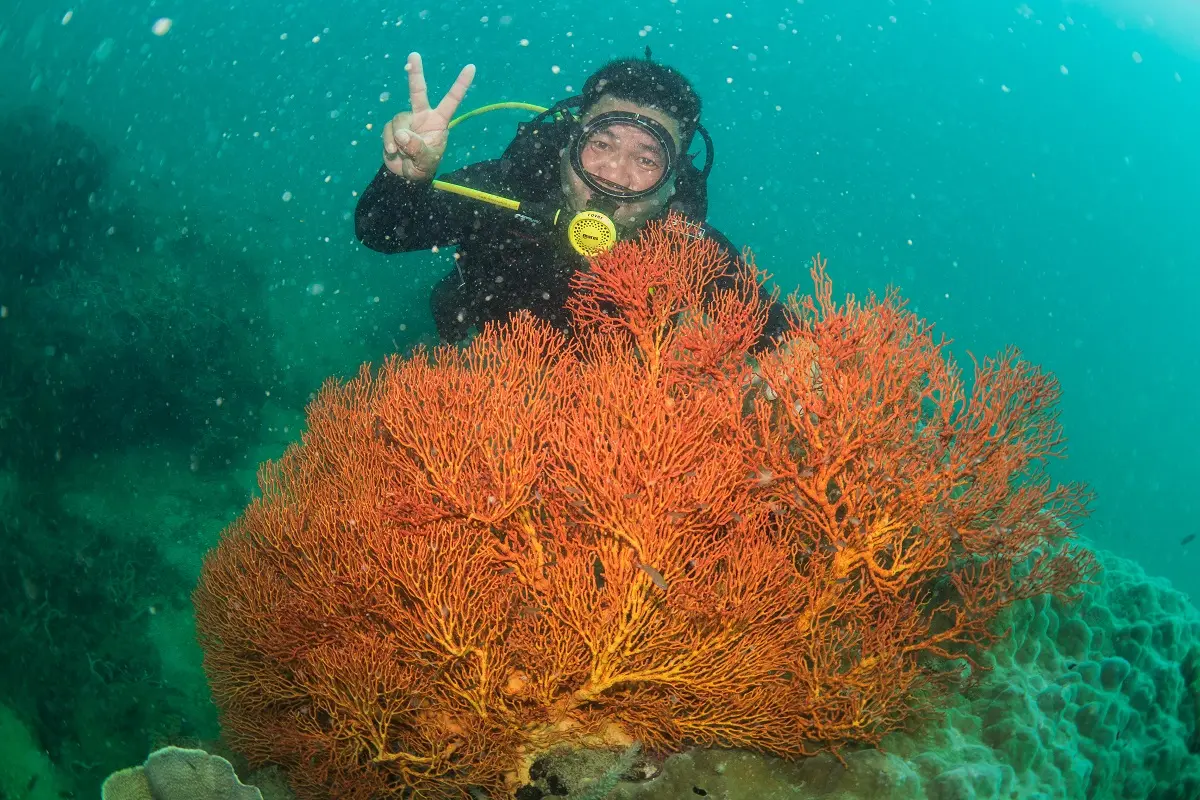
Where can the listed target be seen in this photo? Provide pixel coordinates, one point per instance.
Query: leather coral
(638, 533)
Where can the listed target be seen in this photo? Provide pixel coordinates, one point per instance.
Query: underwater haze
(179, 272)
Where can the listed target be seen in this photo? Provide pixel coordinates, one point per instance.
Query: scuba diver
(568, 186)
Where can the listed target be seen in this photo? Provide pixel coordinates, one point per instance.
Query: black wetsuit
(503, 264)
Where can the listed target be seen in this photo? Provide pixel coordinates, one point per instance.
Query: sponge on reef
(176, 773)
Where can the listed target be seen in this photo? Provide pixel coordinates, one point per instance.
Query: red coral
(631, 536)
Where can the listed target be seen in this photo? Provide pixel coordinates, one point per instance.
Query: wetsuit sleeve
(396, 215)
(777, 321)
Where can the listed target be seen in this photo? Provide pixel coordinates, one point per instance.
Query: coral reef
(1014, 733)
(631, 536)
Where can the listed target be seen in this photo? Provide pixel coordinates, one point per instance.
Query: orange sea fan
(476, 555)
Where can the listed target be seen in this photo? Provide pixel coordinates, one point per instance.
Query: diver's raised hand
(415, 141)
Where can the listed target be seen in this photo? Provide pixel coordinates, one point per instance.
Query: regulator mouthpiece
(591, 233)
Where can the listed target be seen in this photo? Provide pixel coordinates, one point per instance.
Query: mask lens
(624, 157)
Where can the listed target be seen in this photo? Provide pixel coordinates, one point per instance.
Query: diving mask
(622, 155)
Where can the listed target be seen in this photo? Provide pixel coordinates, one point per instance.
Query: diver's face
(627, 160)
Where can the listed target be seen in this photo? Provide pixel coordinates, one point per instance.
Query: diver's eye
(647, 163)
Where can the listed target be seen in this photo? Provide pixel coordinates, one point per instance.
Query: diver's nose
(616, 172)
(610, 169)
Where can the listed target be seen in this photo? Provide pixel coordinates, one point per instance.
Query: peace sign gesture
(414, 142)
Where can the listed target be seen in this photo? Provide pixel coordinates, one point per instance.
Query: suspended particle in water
(162, 26)
(103, 50)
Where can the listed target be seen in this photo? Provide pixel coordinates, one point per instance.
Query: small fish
(1191, 537)
(654, 574)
